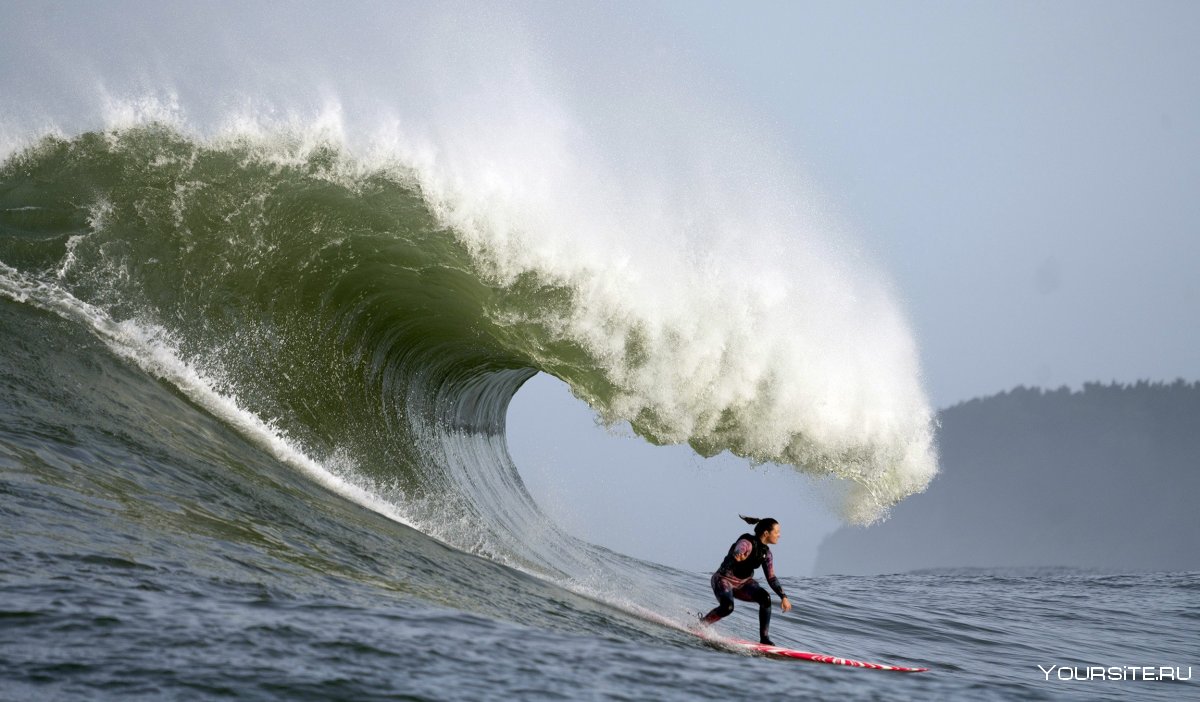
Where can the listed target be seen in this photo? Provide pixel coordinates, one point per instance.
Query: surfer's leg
(724, 596)
(753, 592)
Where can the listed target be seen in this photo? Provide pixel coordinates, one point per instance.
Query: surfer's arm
(768, 567)
(741, 550)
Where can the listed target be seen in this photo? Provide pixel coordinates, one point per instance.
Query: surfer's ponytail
(761, 526)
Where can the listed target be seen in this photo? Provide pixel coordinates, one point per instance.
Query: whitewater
(260, 344)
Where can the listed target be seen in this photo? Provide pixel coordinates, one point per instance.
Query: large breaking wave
(374, 306)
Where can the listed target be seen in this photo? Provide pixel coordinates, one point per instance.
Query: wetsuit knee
(718, 613)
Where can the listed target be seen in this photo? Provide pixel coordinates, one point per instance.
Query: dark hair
(761, 526)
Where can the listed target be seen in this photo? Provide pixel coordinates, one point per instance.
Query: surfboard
(780, 652)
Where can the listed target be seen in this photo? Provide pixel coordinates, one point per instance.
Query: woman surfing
(735, 577)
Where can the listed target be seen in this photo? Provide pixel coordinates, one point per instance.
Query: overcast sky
(1026, 173)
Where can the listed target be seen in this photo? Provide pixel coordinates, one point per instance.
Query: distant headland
(1107, 477)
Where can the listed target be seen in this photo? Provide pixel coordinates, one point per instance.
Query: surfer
(735, 577)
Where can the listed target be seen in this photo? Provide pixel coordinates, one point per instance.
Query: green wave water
(375, 321)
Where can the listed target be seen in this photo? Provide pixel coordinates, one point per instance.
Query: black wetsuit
(736, 579)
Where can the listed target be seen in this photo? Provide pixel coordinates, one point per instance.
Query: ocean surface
(253, 391)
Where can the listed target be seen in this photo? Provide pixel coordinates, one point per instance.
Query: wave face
(369, 317)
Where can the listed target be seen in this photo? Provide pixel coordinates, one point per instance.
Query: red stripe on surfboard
(819, 657)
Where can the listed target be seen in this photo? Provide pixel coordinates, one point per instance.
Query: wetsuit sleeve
(768, 567)
(741, 549)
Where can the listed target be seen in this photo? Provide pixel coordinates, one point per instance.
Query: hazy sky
(1027, 174)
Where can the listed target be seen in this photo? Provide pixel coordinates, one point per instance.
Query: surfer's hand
(785, 604)
(740, 556)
